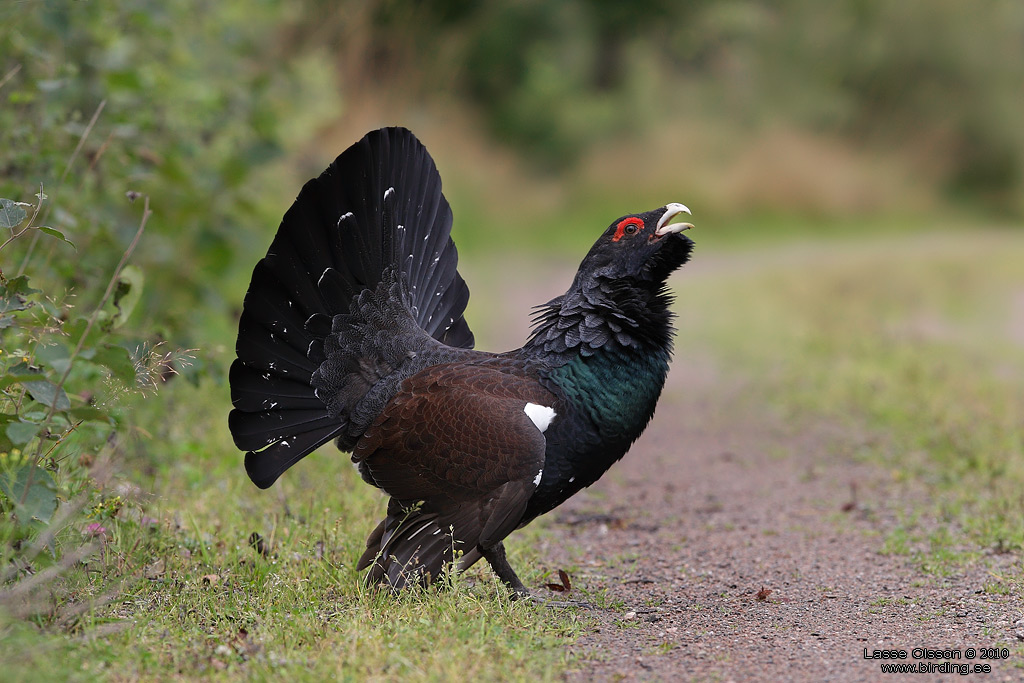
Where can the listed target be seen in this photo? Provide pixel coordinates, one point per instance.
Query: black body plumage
(353, 330)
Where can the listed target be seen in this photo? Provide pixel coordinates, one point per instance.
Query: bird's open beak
(665, 227)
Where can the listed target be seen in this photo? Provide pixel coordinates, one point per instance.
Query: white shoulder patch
(541, 415)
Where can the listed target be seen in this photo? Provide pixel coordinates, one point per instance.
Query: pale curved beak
(671, 211)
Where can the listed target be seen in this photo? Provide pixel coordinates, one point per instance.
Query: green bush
(65, 373)
(130, 152)
(180, 101)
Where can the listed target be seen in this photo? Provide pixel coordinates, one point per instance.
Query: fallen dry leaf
(563, 587)
(762, 595)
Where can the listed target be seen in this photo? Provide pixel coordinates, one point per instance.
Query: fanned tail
(364, 250)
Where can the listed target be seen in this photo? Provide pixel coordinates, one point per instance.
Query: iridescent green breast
(617, 390)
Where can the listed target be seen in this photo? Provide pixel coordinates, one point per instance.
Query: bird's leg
(495, 556)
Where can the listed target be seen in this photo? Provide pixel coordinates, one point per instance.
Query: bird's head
(645, 247)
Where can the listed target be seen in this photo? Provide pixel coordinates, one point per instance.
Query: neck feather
(602, 314)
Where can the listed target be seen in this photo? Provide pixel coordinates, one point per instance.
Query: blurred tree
(617, 24)
(941, 80)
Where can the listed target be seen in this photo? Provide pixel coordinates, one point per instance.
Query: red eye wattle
(627, 226)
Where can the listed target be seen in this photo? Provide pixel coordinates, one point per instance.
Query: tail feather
(261, 341)
(415, 546)
(335, 286)
(265, 466)
(377, 209)
(251, 393)
(270, 427)
(445, 324)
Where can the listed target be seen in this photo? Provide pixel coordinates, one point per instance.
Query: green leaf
(58, 234)
(55, 355)
(12, 294)
(49, 352)
(13, 303)
(14, 377)
(11, 213)
(49, 394)
(117, 360)
(40, 500)
(127, 294)
(20, 433)
(76, 328)
(19, 285)
(90, 414)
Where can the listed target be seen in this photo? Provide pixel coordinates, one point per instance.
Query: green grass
(197, 598)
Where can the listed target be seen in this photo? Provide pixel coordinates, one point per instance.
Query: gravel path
(742, 550)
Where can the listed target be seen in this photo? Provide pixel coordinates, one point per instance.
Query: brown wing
(460, 458)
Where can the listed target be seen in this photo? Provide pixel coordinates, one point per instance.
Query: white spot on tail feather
(541, 415)
(536, 480)
(343, 217)
(388, 191)
(417, 532)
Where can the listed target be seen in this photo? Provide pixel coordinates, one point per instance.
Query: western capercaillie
(352, 329)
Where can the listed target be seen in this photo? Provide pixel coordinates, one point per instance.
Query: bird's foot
(555, 604)
(496, 557)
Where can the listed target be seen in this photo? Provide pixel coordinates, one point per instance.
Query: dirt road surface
(741, 549)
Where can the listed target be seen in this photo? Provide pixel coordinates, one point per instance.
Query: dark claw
(559, 604)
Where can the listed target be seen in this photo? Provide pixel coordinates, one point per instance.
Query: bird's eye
(628, 226)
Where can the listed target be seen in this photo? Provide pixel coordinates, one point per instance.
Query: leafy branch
(53, 404)
(13, 214)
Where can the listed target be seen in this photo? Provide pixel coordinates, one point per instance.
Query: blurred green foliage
(943, 79)
(194, 98)
(67, 375)
(941, 82)
(189, 100)
(117, 119)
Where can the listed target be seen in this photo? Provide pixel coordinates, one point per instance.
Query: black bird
(352, 329)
